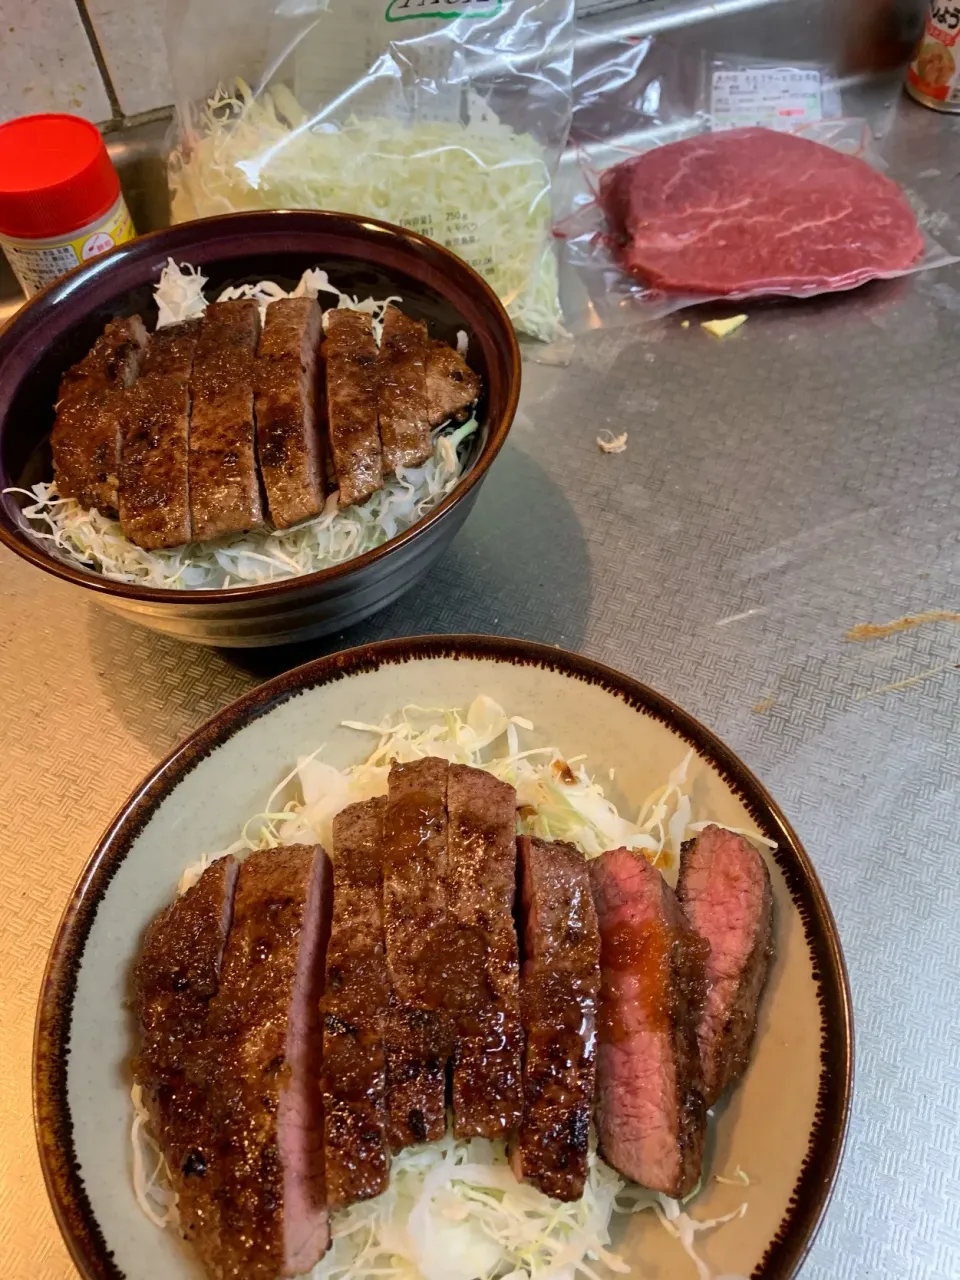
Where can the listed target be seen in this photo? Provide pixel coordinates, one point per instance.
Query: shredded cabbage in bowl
(479, 188)
(89, 540)
(454, 1210)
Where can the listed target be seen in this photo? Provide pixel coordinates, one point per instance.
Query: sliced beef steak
(224, 483)
(289, 447)
(757, 211)
(452, 386)
(558, 993)
(419, 1029)
(483, 991)
(402, 373)
(88, 433)
(266, 1049)
(154, 468)
(350, 358)
(175, 978)
(650, 1113)
(724, 889)
(354, 1007)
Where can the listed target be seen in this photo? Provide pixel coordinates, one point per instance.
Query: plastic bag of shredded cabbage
(445, 116)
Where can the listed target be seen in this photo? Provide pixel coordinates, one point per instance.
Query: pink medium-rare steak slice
(88, 433)
(484, 961)
(176, 976)
(650, 1113)
(350, 360)
(419, 1031)
(559, 985)
(354, 1007)
(154, 467)
(402, 375)
(757, 211)
(224, 483)
(265, 1051)
(289, 445)
(452, 386)
(724, 890)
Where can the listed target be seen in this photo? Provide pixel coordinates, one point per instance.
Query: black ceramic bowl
(363, 257)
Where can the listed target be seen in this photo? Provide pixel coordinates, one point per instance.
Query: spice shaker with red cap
(60, 198)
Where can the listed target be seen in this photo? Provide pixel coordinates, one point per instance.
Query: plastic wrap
(634, 96)
(448, 118)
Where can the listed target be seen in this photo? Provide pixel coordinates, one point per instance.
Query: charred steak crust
(419, 1030)
(452, 386)
(265, 1060)
(402, 376)
(354, 1010)
(484, 987)
(725, 891)
(88, 432)
(559, 986)
(175, 978)
(650, 1112)
(350, 362)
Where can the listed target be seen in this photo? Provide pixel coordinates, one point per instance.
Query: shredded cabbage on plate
(90, 540)
(479, 188)
(454, 1210)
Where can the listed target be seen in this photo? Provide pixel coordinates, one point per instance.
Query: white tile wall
(46, 63)
(130, 35)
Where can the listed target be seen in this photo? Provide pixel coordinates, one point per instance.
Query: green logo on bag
(406, 10)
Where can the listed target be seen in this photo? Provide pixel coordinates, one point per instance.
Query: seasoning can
(60, 198)
(933, 77)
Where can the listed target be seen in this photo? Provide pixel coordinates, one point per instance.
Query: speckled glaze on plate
(363, 257)
(784, 1126)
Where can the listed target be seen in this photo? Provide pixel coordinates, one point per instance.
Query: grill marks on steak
(482, 959)
(402, 375)
(154, 499)
(354, 1007)
(559, 985)
(350, 355)
(724, 889)
(224, 483)
(88, 433)
(650, 1113)
(757, 211)
(289, 446)
(419, 1030)
(176, 976)
(265, 1055)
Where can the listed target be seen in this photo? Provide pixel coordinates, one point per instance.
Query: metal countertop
(779, 487)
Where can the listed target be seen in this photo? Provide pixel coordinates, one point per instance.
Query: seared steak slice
(419, 1029)
(452, 386)
(350, 354)
(176, 976)
(354, 1006)
(267, 1043)
(87, 434)
(154, 479)
(559, 984)
(289, 447)
(650, 1114)
(402, 372)
(484, 990)
(724, 889)
(224, 485)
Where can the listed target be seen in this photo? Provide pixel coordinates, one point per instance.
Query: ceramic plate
(785, 1124)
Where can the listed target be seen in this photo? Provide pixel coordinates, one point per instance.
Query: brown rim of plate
(499, 430)
(814, 1187)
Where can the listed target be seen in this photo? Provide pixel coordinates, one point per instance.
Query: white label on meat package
(777, 97)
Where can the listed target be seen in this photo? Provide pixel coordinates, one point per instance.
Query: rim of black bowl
(19, 541)
(817, 1179)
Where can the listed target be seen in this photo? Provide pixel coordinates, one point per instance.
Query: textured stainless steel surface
(779, 487)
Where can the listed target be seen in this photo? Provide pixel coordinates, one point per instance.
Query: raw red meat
(756, 211)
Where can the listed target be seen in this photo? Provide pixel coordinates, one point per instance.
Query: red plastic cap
(55, 176)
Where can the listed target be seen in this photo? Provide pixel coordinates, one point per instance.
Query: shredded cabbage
(90, 540)
(481, 189)
(454, 1210)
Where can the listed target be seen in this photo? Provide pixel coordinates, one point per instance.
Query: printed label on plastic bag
(776, 97)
